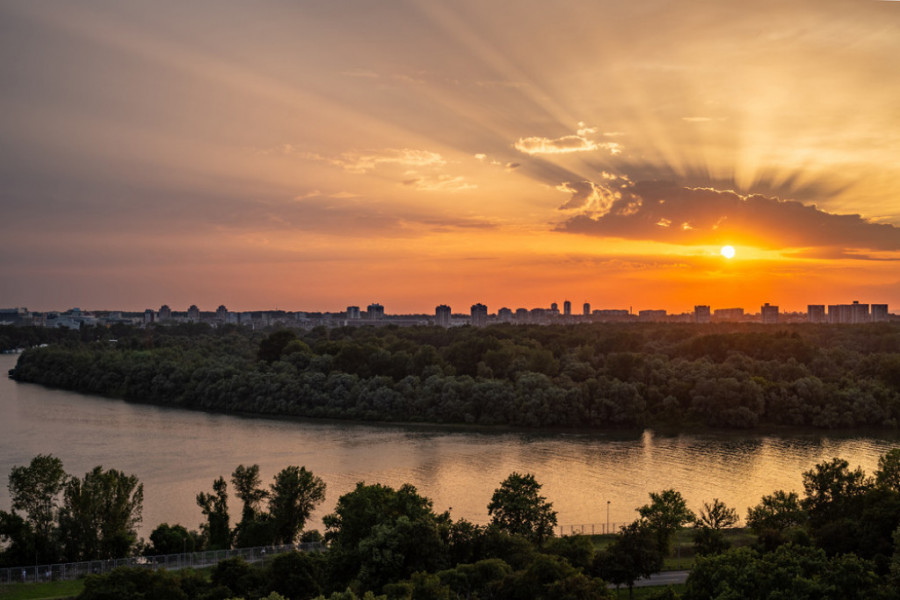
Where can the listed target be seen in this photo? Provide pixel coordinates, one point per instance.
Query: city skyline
(417, 153)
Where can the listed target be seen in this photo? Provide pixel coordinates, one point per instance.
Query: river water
(178, 453)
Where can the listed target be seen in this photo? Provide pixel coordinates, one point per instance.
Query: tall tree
(215, 509)
(100, 514)
(888, 474)
(632, 555)
(255, 526)
(666, 514)
(35, 489)
(518, 508)
(294, 495)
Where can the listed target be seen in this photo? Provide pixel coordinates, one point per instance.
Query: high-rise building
(479, 315)
(815, 313)
(701, 314)
(353, 312)
(586, 309)
(193, 314)
(859, 313)
(505, 315)
(879, 312)
(442, 315)
(221, 313)
(165, 313)
(521, 315)
(149, 316)
(728, 314)
(374, 312)
(648, 316)
(567, 308)
(768, 313)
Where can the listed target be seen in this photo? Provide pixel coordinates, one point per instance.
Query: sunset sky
(310, 155)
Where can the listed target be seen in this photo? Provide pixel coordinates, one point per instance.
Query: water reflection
(179, 453)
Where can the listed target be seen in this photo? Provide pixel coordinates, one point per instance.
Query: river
(178, 453)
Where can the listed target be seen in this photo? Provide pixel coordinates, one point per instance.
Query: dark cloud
(665, 212)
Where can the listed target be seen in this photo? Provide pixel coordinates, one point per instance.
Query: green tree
(888, 474)
(776, 512)
(35, 490)
(634, 554)
(833, 491)
(271, 348)
(294, 495)
(173, 539)
(666, 514)
(717, 515)
(215, 508)
(518, 508)
(100, 514)
(255, 526)
(377, 532)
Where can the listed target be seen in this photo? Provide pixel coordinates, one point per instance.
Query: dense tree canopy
(585, 376)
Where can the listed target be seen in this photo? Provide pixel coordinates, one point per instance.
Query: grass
(41, 591)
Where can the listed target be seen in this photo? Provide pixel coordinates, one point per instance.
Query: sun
(727, 251)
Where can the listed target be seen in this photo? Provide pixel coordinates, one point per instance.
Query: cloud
(587, 195)
(669, 213)
(439, 183)
(365, 161)
(579, 142)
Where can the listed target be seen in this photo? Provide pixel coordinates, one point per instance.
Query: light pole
(607, 516)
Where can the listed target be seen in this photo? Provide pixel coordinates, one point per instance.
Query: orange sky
(314, 155)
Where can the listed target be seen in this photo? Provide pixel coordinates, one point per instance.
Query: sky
(310, 155)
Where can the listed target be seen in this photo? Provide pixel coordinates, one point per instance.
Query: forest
(589, 376)
(838, 540)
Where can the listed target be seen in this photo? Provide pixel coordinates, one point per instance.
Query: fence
(588, 529)
(196, 560)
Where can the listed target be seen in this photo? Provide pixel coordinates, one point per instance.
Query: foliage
(717, 515)
(590, 376)
(174, 539)
(888, 474)
(666, 513)
(294, 495)
(100, 514)
(518, 508)
(778, 511)
(215, 508)
(634, 554)
(796, 572)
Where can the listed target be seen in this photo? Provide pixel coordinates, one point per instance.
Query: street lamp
(607, 516)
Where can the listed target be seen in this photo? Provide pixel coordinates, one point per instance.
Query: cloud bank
(665, 212)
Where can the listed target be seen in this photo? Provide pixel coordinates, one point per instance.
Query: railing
(588, 529)
(195, 560)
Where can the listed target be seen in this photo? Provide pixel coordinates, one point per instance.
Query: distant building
(859, 313)
(149, 316)
(815, 313)
(848, 313)
(648, 316)
(768, 313)
(221, 314)
(353, 312)
(701, 314)
(521, 315)
(479, 315)
(505, 315)
(375, 312)
(567, 308)
(442, 316)
(586, 309)
(879, 312)
(193, 314)
(728, 314)
(165, 313)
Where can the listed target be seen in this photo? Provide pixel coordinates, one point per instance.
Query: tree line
(840, 539)
(585, 376)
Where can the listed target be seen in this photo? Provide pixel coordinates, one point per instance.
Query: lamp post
(607, 516)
